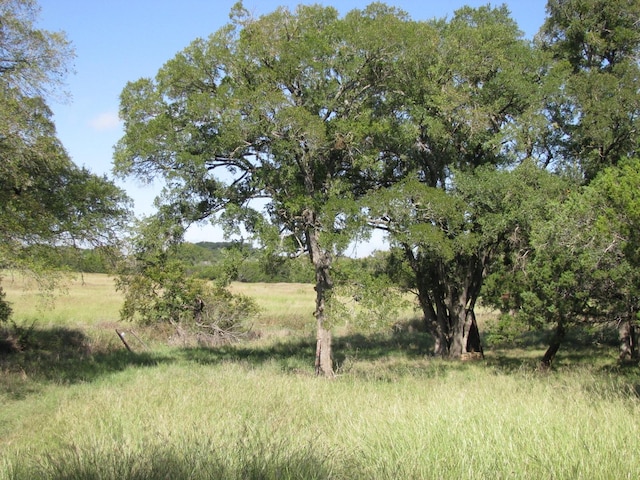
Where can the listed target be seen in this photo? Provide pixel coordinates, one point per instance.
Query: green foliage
(242, 263)
(586, 261)
(597, 113)
(5, 307)
(448, 241)
(276, 107)
(279, 109)
(158, 290)
(592, 34)
(101, 259)
(34, 61)
(450, 200)
(505, 329)
(366, 296)
(153, 280)
(45, 199)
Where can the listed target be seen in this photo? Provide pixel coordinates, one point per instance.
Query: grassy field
(77, 405)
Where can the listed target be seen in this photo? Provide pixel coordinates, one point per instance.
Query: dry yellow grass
(92, 299)
(87, 299)
(284, 305)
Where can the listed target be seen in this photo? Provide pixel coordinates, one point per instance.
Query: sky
(118, 41)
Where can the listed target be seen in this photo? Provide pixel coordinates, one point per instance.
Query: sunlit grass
(82, 300)
(236, 420)
(283, 305)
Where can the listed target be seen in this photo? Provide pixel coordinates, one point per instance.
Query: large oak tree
(278, 108)
(468, 96)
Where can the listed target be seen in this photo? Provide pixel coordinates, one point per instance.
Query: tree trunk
(466, 342)
(472, 342)
(457, 318)
(322, 264)
(435, 324)
(441, 346)
(454, 330)
(448, 302)
(628, 341)
(324, 361)
(554, 346)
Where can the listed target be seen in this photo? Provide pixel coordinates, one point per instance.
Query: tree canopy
(597, 110)
(282, 106)
(459, 138)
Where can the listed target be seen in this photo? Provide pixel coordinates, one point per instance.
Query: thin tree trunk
(322, 264)
(444, 335)
(628, 339)
(554, 346)
(434, 325)
(324, 361)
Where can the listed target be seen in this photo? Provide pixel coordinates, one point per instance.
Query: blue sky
(117, 41)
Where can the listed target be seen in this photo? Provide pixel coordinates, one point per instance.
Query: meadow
(78, 405)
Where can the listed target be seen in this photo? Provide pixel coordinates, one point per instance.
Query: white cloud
(105, 121)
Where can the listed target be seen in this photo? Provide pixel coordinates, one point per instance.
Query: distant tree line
(201, 260)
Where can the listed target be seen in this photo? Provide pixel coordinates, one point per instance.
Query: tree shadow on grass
(297, 354)
(62, 355)
(290, 354)
(200, 460)
(595, 347)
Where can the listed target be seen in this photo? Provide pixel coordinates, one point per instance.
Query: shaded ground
(63, 356)
(67, 356)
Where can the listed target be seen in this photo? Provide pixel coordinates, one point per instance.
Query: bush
(5, 307)
(505, 329)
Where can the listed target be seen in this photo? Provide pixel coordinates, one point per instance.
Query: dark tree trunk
(436, 323)
(628, 341)
(554, 346)
(454, 329)
(472, 336)
(448, 304)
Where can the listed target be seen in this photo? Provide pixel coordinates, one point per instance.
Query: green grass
(77, 405)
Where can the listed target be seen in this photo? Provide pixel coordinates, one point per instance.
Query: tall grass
(256, 411)
(233, 420)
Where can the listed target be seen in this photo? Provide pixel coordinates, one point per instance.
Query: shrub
(5, 307)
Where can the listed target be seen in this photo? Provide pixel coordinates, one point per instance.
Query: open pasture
(79, 406)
